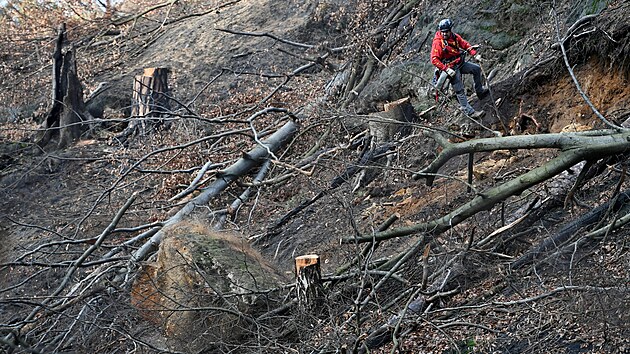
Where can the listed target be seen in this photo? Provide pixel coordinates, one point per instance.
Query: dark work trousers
(458, 85)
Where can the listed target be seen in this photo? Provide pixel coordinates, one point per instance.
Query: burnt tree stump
(308, 279)
(68, 115)
(74, 114)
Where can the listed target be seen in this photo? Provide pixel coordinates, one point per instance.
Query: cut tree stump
(308, 279)
(386, 124)
(150, 102)
(150, 93)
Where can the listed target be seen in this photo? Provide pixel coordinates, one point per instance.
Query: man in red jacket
(447, 54)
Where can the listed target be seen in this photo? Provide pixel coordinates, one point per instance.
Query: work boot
(477, 114)
(483, 94)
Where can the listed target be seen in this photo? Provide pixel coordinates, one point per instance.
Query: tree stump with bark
(386, 124)
(308, 279)
(149, 101)
(150, 93)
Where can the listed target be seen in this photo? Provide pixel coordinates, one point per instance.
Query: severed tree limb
(597, 140)
(281, 40)
(485, 201)
(575, 149)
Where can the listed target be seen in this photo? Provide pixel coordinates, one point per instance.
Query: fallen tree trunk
(241, 167)
(598, 141)
(569, 230)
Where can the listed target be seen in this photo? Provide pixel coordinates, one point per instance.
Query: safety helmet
(445, 25)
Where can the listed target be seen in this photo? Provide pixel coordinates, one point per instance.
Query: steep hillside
(541, 269)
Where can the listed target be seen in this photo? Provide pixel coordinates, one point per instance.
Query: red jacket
(446, 52)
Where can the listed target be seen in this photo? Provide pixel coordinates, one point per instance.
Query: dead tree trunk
(57, 90)
(52, 118)
(308, 281)
(68, 111)
(74, 112)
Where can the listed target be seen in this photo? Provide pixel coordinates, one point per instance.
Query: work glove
(450, 72)
(478, 57)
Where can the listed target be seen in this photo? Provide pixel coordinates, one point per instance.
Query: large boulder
(204, 286)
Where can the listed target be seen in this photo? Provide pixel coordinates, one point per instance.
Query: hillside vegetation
(177, 231)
